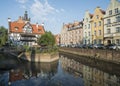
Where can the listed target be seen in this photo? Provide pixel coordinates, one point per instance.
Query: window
(95, 42)
(99, 32)
(16, 28)
(117, 41)
(108, 31)
(88, 26)
(110, 12)
(95, 33)
(95, 24)
(116, 10)
(99, 41)
(117, 29)
(118, 19)
(99, 23)
(108, 21)
(89, 33)
(97, 16)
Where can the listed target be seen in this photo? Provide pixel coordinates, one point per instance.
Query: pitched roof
(103, 12)
(91, 15)
(36, 29)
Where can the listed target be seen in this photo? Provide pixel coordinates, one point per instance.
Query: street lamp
(92, 39)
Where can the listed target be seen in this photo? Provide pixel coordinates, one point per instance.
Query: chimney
(9, 19)
(42, 24)
(36, 25)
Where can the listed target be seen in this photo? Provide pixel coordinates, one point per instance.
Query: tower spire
(26, 16)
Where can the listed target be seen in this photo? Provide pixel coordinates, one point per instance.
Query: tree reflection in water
(33, 70)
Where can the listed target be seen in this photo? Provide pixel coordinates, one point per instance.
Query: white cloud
(41, 10)
(22, 1)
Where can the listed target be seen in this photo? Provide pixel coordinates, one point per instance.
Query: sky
(53, 13)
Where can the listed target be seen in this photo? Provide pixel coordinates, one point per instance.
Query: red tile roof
(35, 29)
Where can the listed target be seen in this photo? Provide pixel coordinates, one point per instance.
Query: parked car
(90, 46)
(114, 47)
(99, 46)
(109, 46)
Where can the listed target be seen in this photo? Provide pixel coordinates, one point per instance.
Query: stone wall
(108, 55)
(37, 57)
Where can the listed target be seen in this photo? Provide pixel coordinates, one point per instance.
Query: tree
(3, 35)
(47, 39)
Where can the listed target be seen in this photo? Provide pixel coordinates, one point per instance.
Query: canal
(69, 70)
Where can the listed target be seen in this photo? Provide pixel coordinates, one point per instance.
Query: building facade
(72, 34)
(23, 32)
(97, 26)
(112, 23)
(87, 38)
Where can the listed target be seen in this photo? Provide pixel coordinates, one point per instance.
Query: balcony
(28, 39)
(112, 24)
(108, 35)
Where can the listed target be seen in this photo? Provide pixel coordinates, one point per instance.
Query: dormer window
(16, 28)
(39, 30)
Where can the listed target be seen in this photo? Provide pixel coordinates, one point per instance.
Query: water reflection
(92, 75)
(33, 71)
(70, 70)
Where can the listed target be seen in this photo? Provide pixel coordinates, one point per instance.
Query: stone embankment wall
(107, 55)
(37, 57)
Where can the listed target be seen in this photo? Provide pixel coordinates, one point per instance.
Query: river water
(69, 70)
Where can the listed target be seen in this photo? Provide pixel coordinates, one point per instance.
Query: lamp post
(92, 39)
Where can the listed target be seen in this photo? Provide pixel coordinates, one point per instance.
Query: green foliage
(3, 35)
(47, 39)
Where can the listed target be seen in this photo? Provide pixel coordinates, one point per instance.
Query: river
(69, 70)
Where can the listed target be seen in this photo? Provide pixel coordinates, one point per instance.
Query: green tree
(47, 39)
(3, 35)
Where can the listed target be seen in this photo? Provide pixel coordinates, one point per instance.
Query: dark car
(109, 46)
(99, 46)
(90, 46)
(114, 47)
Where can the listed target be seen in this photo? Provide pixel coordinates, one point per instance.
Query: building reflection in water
(92, 76)
(33, 70)
(70, 70)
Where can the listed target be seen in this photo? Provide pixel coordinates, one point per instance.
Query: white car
(115, 47)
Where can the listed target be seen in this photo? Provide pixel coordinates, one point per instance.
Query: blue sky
(52, 12)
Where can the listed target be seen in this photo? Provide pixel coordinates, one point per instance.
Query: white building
(23, 32)
(87, 36)
(112, 23)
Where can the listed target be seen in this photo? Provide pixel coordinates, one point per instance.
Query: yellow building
(97, 26)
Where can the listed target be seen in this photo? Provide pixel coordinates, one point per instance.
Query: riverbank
(39, 57)
(106, 55)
